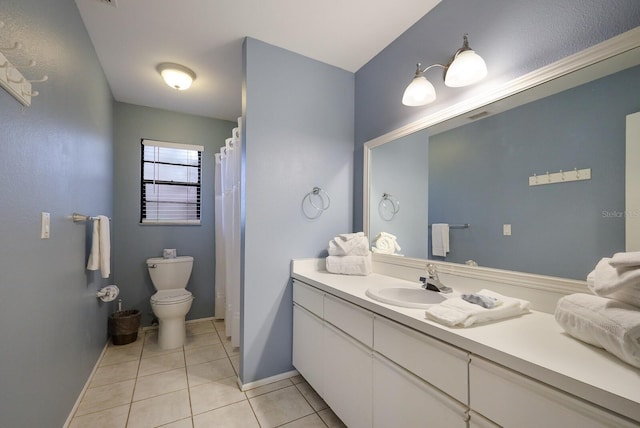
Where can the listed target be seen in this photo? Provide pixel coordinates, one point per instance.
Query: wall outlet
(506, 229)
(45, 225)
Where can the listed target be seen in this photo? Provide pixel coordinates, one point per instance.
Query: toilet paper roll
(169, 253)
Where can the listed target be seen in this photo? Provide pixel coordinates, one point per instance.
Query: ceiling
(132, 36)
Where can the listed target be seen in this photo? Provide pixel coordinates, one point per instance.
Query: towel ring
(388, 213)
(326, 202)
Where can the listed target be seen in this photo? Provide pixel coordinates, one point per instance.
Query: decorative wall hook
(560, 177)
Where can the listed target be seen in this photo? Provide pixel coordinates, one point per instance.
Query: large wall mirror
(477, 171)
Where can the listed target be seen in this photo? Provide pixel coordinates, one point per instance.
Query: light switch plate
(506, 229)
(45, 228)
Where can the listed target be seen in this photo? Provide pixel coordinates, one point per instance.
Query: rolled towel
(628, 259)
(605, 323)
(606, 279)
(385, 243)
(350, 236)
(349, 265)
(353, 247)
(456, 312)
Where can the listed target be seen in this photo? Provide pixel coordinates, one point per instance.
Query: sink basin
(407, 297)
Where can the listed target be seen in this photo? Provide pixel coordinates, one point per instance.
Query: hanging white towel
(100, 257)
(602, 322)
(440, 239)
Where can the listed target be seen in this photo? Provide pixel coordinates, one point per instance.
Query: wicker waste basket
(123, 326)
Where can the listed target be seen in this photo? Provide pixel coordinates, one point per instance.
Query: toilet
(172, 301)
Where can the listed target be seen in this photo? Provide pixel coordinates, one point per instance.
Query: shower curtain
(228, 237)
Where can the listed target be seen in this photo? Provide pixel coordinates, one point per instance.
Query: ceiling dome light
(175, 75)
(466, 68)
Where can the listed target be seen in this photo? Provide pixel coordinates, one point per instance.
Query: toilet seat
(171, 297)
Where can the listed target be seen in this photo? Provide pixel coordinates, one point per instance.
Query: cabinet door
(308, 346)
(513, 400)
(401, 399)
(348, 378)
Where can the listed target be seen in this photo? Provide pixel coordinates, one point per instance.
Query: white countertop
(532, 344)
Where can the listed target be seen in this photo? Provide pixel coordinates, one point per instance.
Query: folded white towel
(606, 279)
(440, 239)
(349, 265)
(100, 257)
(456, 312)
(629, 294)
(349, 236)
(385, 243)
(628, 259)
(352, 247)
(602, 322)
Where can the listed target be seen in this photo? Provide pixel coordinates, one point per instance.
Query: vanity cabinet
(511, 399)
(373, 372)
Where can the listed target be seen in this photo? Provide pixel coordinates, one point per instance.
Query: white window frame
(143, 182)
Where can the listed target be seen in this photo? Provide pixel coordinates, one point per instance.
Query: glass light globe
(419, 92)
(466, 69)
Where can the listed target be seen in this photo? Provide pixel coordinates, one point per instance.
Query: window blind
(170, 186)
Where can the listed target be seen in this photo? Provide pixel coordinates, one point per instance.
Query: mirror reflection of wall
(401, 170)
(478, 174)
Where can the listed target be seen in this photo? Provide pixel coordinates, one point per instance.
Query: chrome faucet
(432, 282)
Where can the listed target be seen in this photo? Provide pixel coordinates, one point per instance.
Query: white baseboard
(86, 386)
(266, 381)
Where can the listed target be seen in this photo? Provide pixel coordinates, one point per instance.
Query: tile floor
(140, 385)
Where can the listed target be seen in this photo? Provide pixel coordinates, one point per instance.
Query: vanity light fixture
(175, 75)
(465, 68)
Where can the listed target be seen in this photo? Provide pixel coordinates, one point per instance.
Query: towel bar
(81, 217)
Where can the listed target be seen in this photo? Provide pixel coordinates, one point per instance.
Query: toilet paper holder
(108, 293)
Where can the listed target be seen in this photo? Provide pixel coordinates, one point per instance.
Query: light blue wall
(513, 36)
(479, 174)
(401, 169)
(133, 242)
(55, 156)
(298, 134)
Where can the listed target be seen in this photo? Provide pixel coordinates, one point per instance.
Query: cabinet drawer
(511, 399)
(401, 399)
(349, 318)
(442, 365)
(308, 297)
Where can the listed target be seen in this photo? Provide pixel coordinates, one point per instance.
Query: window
(170, 188)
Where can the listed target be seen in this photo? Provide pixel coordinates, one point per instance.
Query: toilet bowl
(172, 301)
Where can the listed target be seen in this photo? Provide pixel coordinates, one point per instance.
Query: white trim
(632, 184)
(86, 386)
(592, 55)
(146, 222)
(607, 49)
(155, 143)
(521, 279)
(266, 381)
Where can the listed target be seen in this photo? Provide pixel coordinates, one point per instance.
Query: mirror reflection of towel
(440, 239)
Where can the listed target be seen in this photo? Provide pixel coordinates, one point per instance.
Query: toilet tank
(168, 274)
